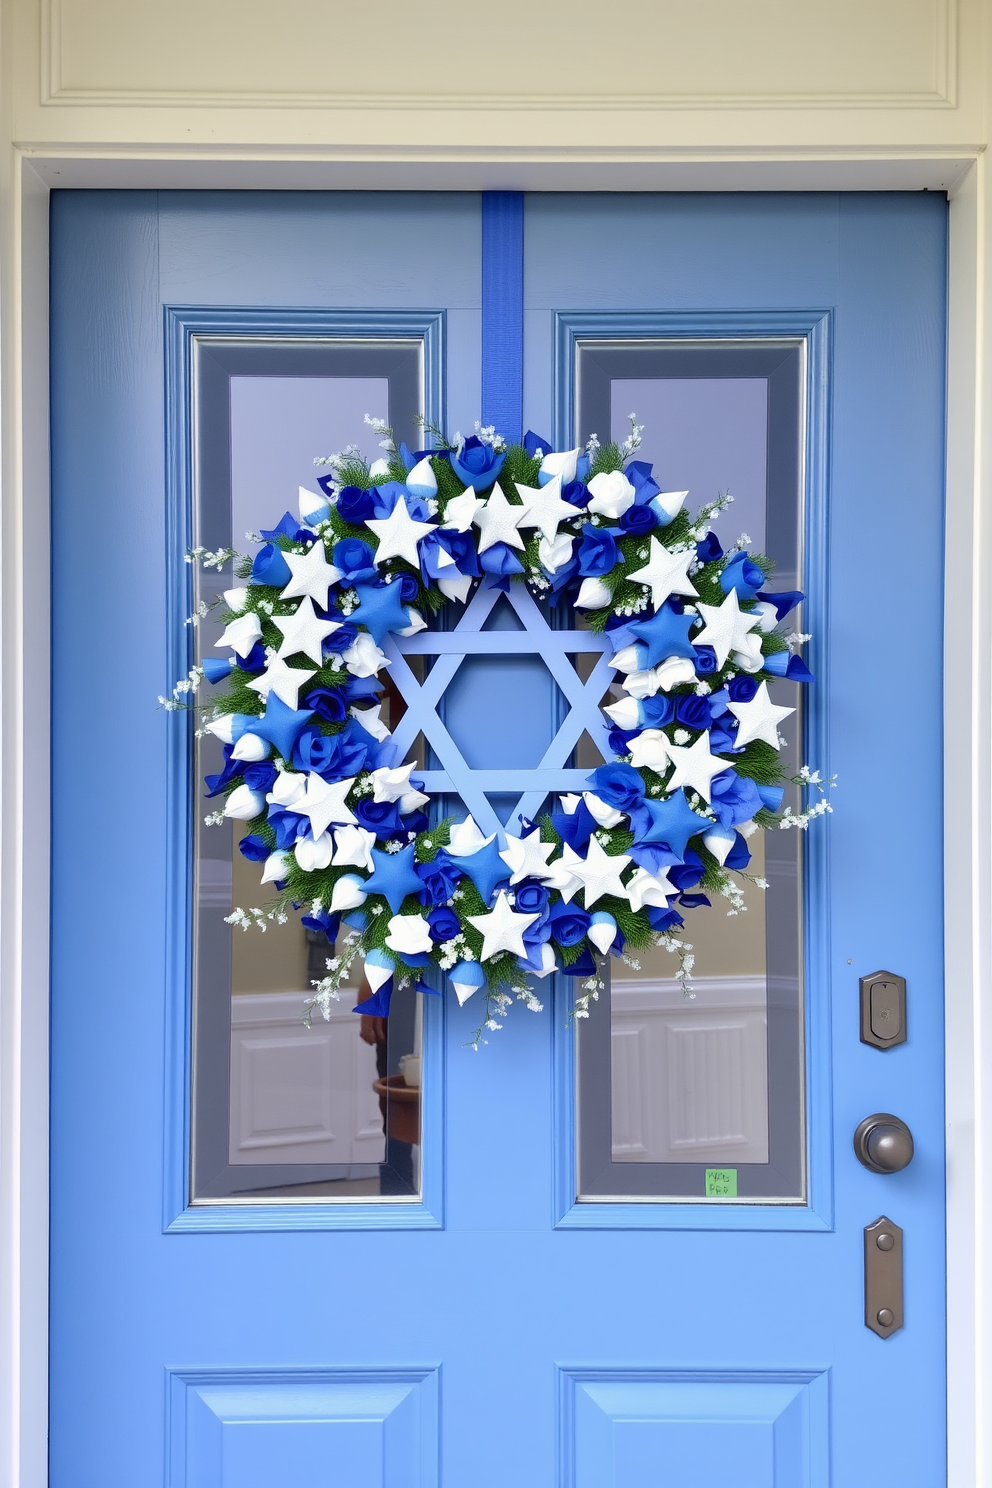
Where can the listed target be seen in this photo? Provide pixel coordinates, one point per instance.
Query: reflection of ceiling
(469, 638)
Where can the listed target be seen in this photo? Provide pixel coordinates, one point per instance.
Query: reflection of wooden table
(400, 1106)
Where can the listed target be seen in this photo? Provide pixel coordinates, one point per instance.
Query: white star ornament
(304, 633)
(666, 573)
(695, 766)
(324, 804)
(599, 873)
(502, 929)
(498, 521)
(545, 507)
(759, 719)
(399, 534)
(285, 681)
(726, 627)
(527, 857)
(312, 574)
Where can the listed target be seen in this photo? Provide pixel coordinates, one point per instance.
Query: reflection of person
(396, 1173)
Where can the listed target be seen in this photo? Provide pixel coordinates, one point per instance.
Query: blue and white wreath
(338, 823)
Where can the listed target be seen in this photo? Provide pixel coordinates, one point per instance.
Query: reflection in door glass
(280, 1111)
(672, 1088)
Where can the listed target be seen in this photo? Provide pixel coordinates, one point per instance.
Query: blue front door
(623, 1251)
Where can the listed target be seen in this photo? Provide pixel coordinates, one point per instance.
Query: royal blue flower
(576, 493)
(328, 703)
(443, 923)
(322, 920)
(781, 664)
(354, 558)
(620, 786)
(354, 505)
(597, 552)
(738, 856)
(692, 710)
(477, 464)
(742, 689)
(638, 472)
(531, 898)
(232, 769)
(380, 817)
(575, 827)
(569, 923)
(734, 797)
(333, 756)
(254, 848)
(386, 497)
(638, 519)
(500, 560)
(287, 827)
(661, 920)
(783, 602)
(686, 875)
(217, 668)
(709, 549)
(693, 901)
(535, 444)
(705, 660)
(583, 965)
(658, 710)
(287, 526)
(439, 878)
(270, 567)
(260, 776)
(743, 575)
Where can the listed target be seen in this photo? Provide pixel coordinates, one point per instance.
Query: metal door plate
(883, 1010)
(883, 1277)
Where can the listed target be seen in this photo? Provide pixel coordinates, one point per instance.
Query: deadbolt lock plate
(883, 1010)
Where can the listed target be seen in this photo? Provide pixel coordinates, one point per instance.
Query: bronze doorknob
(884, 1144)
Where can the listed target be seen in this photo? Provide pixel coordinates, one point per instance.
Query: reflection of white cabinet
(298, 1094)
(690, 1078)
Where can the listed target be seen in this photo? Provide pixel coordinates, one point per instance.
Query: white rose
(625, 714)
(244, 803)
(649, 751)
(601, 813)
(421, 480)
(314, 853)
(676, 669)
(348, 894)
(555, 554)
(409, 935)
(287, 788)
(275, 867)
(353, 845)
(612, 493)
(242, 634)
(645, 888)
(593, 595)
(363, 657)
(563, 463)
(250, 747)
(667, 505)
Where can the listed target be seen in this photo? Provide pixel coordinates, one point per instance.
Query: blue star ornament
(393, 876)
(380, 609)
(485, 868)
(673, 822)
(665, 634)
(280, 724)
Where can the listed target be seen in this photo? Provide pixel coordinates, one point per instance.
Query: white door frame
(25, 178)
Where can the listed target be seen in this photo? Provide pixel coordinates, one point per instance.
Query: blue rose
(380, 817)
(620, 786)
(569, 924)
(705, 660)
(709, 550)
(355, 505)
(254, 848)
(531, 898)
(743, 575)
(742, 689)
(440, 879)
(693, 711)
(638, 472)
(687, 874)
(597, 553)
(339, 640)
(442, 922)
(354, 558)
(664, 919)
(260, 777)
(323, 921)
(734, 798)
(477, 464)
(287, 526)
(409, 588)
(536, 445)
(285, 824)
(270, 567)
(657, 711)
(638, 519)
(576, 493)
(500, 560)
(386, 498)
(232, 769)
(328, 703)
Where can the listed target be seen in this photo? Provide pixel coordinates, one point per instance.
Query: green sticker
(721, 1183)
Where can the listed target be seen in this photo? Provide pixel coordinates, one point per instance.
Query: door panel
(504, 1329)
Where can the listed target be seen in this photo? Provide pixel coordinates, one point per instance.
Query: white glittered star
(303, 632)
(527, 857)
(498, 521)
(726, 627)
(667, 573)
(285, 681)
(399, 534)
(695, 766)
(324, 803)
(545, 507)
(502, 929)
(599, 872)
(312, 574)
(759, 719)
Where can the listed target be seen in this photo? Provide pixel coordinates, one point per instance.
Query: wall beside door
(724, 94)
